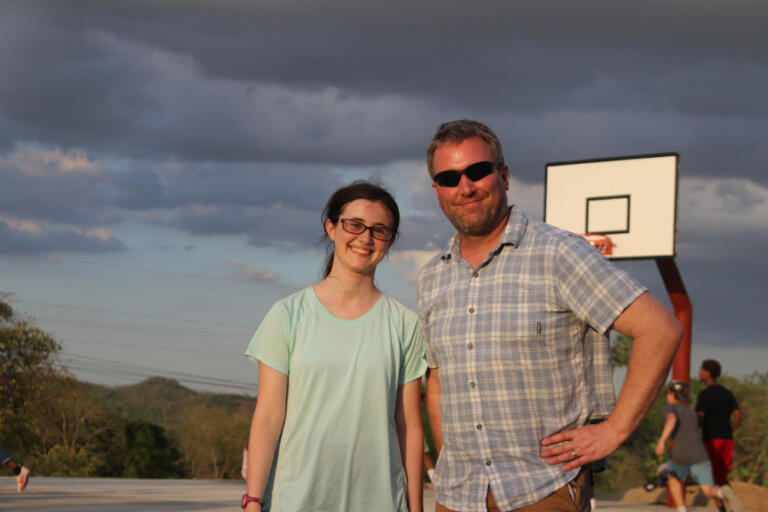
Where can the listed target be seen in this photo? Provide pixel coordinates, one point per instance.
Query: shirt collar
(512, 235)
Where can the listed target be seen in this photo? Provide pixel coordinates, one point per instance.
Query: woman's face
(361, 252)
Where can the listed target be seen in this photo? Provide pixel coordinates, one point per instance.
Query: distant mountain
(166, 402)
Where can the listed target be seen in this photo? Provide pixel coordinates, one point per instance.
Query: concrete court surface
(134, 495)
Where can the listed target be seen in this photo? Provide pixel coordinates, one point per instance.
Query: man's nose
(466, 186)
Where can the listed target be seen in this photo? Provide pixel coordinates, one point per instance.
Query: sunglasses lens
(448, 178)
(474, 172)
(478, 171)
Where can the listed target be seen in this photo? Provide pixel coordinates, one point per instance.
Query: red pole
(681, 366)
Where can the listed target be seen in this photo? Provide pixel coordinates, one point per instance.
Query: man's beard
(477, 225)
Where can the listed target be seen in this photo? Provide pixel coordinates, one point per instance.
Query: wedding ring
(573, 452)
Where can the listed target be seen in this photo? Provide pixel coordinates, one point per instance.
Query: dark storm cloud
(271, 203)
(54, 186)
(236, 117)
(353, 84)
(17, 240)
(300, 186)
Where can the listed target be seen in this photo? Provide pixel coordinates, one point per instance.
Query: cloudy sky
(164, 163)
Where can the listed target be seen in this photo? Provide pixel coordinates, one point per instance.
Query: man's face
(703, 374)
(474, 208)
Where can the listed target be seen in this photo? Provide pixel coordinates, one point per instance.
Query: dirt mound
(753, 497)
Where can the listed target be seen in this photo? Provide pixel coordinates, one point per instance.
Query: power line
(191, 275)
(122, 369)
(150, 347)
(146, 328)
(112, 311)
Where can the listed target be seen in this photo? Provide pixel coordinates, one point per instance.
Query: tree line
(59, 426)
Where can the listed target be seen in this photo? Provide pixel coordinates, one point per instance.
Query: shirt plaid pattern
(523, 353)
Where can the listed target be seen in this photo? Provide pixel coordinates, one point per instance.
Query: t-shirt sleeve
(591, 286)
(271, 344)
(414, 364)
(700, 401)
(734, 405)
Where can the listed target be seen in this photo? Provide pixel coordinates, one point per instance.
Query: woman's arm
(669, 426)
(411, 436)
(266, 426)
(433, 408)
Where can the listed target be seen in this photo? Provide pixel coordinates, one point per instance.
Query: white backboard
(632, 199)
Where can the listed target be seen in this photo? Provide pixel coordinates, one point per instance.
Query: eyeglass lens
(474, 172)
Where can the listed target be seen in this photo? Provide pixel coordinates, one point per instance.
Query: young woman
(337, 425)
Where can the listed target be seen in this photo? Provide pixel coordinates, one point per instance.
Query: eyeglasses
(474, 172)
(355, 227)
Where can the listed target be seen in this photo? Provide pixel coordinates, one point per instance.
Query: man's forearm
(657, 336)
(648, 368)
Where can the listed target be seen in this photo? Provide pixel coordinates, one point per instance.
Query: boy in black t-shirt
(719, 416)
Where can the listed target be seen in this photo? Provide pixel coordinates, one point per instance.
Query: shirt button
(470, 346)
(471, 310)
(479, 426)
(472, 384)
(487, 462)
(475, 274)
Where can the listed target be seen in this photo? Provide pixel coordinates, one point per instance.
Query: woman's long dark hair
(345, 195)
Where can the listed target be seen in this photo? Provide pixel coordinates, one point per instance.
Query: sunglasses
(474, 172)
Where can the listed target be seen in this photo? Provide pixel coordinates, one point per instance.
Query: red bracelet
(247, 499)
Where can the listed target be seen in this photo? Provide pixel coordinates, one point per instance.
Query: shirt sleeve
(700, 401)
(734, 404)
(271, 344)
(592, 287)
(413, 365)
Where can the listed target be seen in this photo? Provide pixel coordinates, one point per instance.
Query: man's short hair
(712, 366)
(456, 132)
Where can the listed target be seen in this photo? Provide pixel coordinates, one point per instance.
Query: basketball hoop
(602, 243)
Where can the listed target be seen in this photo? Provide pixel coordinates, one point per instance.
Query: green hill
(165, 401)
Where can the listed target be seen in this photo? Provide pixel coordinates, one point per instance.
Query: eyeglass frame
(369, 228)
(487, 165)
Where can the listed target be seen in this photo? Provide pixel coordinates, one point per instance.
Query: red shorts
(720, 454)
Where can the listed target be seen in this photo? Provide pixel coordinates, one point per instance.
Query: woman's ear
(330, 229)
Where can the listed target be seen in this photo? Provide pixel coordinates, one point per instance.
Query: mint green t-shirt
(339, 448)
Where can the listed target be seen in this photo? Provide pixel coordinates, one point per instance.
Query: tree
(26, 362)
(620, 351)
(211, 441)
(150, 453)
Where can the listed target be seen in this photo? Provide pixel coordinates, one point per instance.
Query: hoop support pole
(673, 282)
(681, 366)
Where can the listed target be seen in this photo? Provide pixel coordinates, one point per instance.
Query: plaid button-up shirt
(523, 353)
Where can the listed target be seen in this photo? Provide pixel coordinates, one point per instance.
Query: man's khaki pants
(572, 497)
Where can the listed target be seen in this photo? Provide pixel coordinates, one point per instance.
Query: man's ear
(505, 176)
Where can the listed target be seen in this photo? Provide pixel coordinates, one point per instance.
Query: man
(719, 415)
(515, 315)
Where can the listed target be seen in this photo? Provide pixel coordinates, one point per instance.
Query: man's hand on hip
(580, 446)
